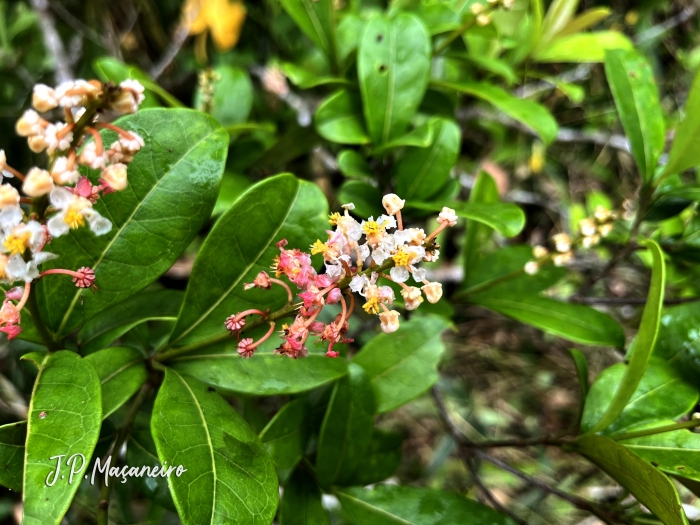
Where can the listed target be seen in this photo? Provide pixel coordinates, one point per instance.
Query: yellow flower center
(371, 306)
(334, 218)
(73, 218)
(372, 227)
(17, 243)
(403, 258)
(318, 247)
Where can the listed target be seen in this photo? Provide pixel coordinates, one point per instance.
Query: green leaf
(582, 374)
(402, 365)
(339, 119)
(346, 431)
(582, 47)
(233, 185)
(65, 414)
(231, 96)
(230, 476)
(652, 488)
(316, 18)
(660, 395)
(637, 99)
(240, 246)
(352, 164)
(306, 79)
(585, 20)
(381, 460)
(285, 435)
(683, 153)
(12, 438)
(420, 137)
(492, 65)
(393, 66)
(141, 452)
(122, 371)
(366, 198)
(423, 171)
(558, 15)
(110, 324)
(302, 501)
(405, 505)
(110, 69)
(265, 375)
(531, 114)
(506, 218)
(484, 191)
(678, 341)
(640, 353)
(173, 183)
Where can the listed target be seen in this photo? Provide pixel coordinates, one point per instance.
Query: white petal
(419, 274)
(379, 256)
(42, 257)
(36, 234)
(357, 283)
(57, 225)
(98, 224)
(17, 268)
(61, 197)
(399, 274)
(10, 216)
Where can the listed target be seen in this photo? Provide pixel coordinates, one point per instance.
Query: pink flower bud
(234, 325)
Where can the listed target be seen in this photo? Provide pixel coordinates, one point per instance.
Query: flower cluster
(60, 198)
(591, 230)
(356, 255)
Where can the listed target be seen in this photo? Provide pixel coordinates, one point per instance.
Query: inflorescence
(60, 199)
(356, 256)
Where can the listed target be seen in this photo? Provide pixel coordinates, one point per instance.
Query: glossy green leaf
(678, 341)
(393, 66)
(110, 324)
(110, 69)
(285, 435)
(231, 97)
(366, 198)
(65, 414)
(660, 395)
(347, 428)
(339, 119)
(405, 505)
(12, 438)
(632, 84)
(582, 374)
(302, 501)
(576, 322)
(493, 65)
(684, 154)
(484, 191)
(230, 477)
(402, 365)
(531, 114)
(352, 164)
(173, 183)
(241, 245)
(381, 460)
(233, 185)
(141, 452)
(582, 47)
(122, 371)
(348, 34)
(506, 218)
(316, 18)
(306, 79)
(652, 488)
(420, 137)
(266, 375)
(640, 352)
(423, 171)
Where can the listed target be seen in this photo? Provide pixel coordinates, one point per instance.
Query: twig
(179, 37)
(52, 40)
(659, 29)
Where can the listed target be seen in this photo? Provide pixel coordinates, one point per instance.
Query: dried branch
(52, 40)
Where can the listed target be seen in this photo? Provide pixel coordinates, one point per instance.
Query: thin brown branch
(52, 40)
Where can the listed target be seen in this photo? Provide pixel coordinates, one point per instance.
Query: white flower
(561, 259)
(412, 297)
(605, 229)
(115, 176)
(539, 252)
(10, 216)
(358, 283)
(73, 211)
(447, 215)
(334, 270)
(131, 144)
(37, 183)
(562, 242)
(587, 226)
(9, 196)
(56, 139)
(405, 259)
(389, 321)
(61, 174)
(412, 236)
(30, 123)
(90, 158)
(362, 252)
(44, 98)
(392, 203)
(531, 267)
(20, 236)
(432, 256)
(433, 292)
(349, 206)
(130, 98)
(590, 241)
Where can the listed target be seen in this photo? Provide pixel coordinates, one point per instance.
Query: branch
(52, 40)
(179, 37)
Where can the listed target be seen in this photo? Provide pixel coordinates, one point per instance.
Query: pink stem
(62, 271)
(398, 220)
(290, 295)
(430, 237)
(252, 311)
(342, 317)
(99, 146)
(25, 296)
(313, 317)
(116, 129)
(264, 338)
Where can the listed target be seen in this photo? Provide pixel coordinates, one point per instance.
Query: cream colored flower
(115, 176)
(447, 215)
(412, 297)
(531, 267)
(389, 321)
(37, 183)
(392, 203)
(433, 292)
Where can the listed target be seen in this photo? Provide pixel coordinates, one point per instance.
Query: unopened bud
(392, 203)
(9, 196)
(483, 20)
(412, 297)
(605, 229)
(433, 292)
(115, 176)
(562, 242)
(44, 98)
(447, 215)
(561, 259)
(590, 241)
(389, 321)
(587, 226)
(539, 252)
(531, 267)
(37, 183)
(476, 9)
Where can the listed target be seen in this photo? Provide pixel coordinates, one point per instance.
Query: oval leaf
(339, 119)
(12, 438)
(302, 501)
(582, 47)
(285, 435)
(316, 18)
(506, 218)
(684, 153)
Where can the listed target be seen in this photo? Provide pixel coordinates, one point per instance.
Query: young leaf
(484, 191)
(506, 218)
(110, 324)
(232, 97)
(531, 114)
(402, 365)
(339, 119)
(423, 171)
(316, 18)
(12, 438)
(684, 154)
(285, 435)
(558, 15)
(241, 245)
(652, 488)
(585, 20)
(420, 137)
(122, 371)
(401, 504)
(353, 165)
(173, 183)
(576, 322)
(660, 395)
(229, 475)
(582, 47)
(64, 419)
(347, 428)
(393, 66)
(637, 100)
(644, 344)
(301, 502)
